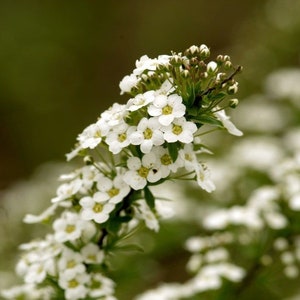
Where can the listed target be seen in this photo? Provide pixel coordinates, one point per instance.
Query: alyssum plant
(153, 138)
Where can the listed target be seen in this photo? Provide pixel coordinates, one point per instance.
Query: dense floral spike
(151, 139)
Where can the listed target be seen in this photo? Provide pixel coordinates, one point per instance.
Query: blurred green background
(61, 62)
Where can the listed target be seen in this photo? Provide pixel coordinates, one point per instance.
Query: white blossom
(96, 208)
(180, 130)
(75, 287)
(231, 128)
(91, 254)
(127, 83)
(68, 227)
(140, 100)
(167, 108)
(148, 134)
(142, 170)
(118, 137)
(113, 190)
(101, 286)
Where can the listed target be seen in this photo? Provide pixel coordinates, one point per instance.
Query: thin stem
(237, 70)
(206, 132)
(251, 275)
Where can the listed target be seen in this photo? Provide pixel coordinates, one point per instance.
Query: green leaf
(173, 150)
(129, 247)
(204, 119)
(149, 198)
(217, 96)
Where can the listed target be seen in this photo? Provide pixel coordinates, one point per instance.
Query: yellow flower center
(122, 137)
(148, 134)
(177, 129)
(98, 134)
(113, 192)
(92, 257)
(98, 208)
(70, 228)
(166, 159)
(167, 110)
(143, 172)
(73, 283)
(188, 157)
(71, 264)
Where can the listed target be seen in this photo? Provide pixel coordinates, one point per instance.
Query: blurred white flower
(284, 84)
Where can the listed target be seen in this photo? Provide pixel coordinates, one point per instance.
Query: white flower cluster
(131, 147)
(210, 263)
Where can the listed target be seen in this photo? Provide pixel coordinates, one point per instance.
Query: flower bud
(176, 60)
(185, 73)
(233, 88)
(204, 51)
(233, 103)
(228, 64)
(212, 67)
(88, 160)
(193, 50)
(220, 58)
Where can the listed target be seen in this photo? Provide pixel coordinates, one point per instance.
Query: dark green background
(61, 63)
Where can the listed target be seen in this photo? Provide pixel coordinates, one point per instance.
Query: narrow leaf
(149, 198)
(173, 150)
(204, 119)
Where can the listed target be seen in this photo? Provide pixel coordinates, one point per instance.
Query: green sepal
(149, 198)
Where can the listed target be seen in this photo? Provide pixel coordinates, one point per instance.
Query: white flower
(212, 67)
(101, 286)
(180, 130)
(166, 88)
(146, 63)
(221, 115)
(70, 263)
(69, 227)
(114, 115)
(294, 202)
(89, 175)
(196, 244)
(29, 218)
(37, 272)
(28, 291)
(96, 208)
(167, 164)
(140, 100)
(216, 220)
(190, 162)
(143, 212)
(118, 137)
(188, 157)
(147, 134)
(91, 254)
(167, 108)
(74, 287)
(67, 190)
(203, 178)
(93, 134)
(141, 171)
(283, 84)
(127, 83)
(113, 190)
